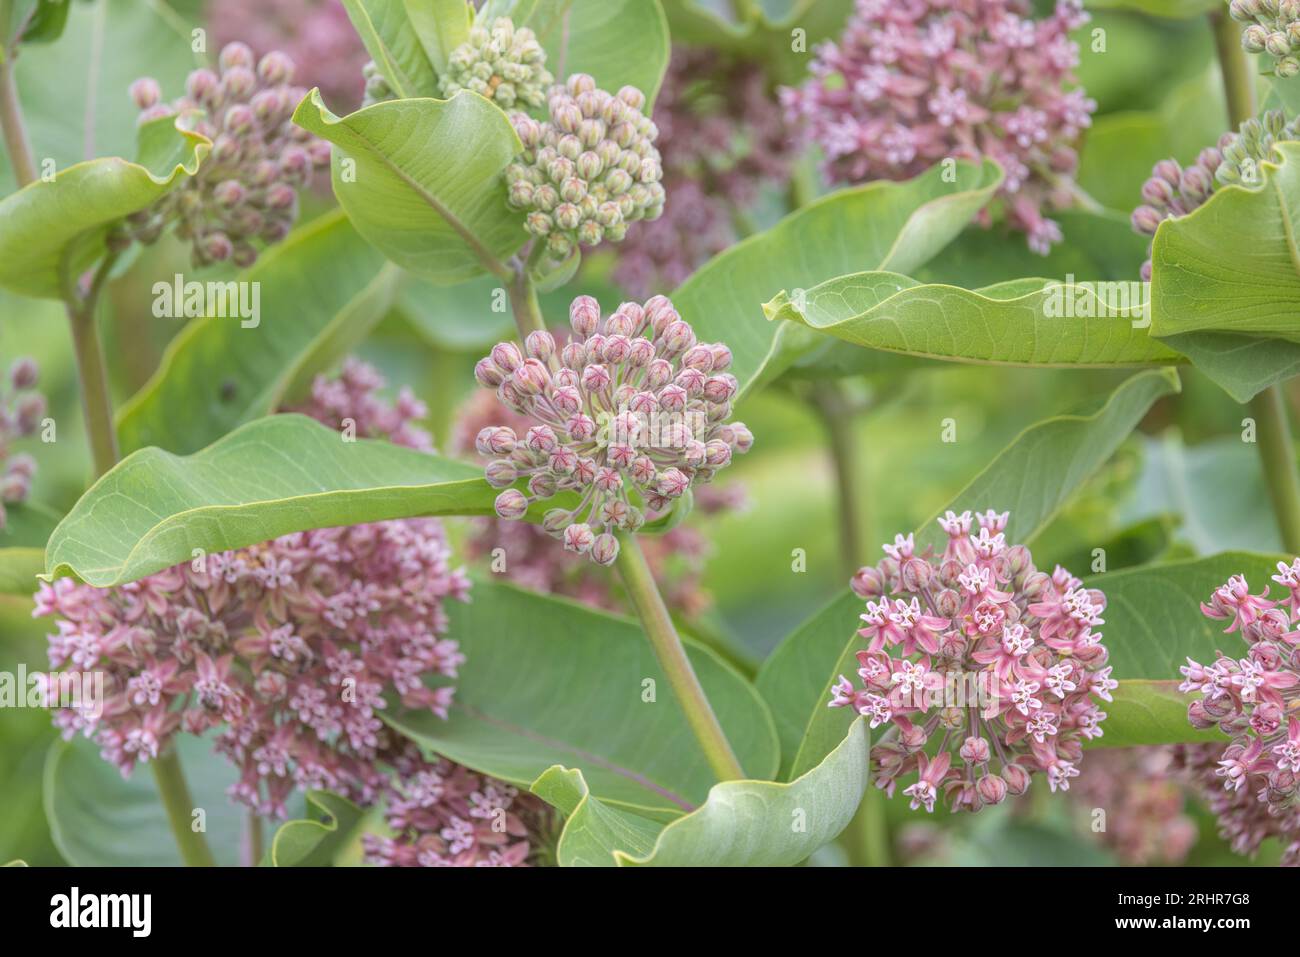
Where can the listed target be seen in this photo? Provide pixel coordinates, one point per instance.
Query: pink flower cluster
(284, 649)
(317, 34)
(1244, 821)
(1144, 796)
(978, 645)
(720, 139)
(1253, 700)
(21, 411)
(351, 401)
(631, 405)
(444, 815)
(913, 82)
(245, 191)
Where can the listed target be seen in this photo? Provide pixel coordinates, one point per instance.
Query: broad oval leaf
(618, 42)
(318, 294)
(50, 232)
(281, 474)
(1033, 322)
(394, 44)
(318, 839)
(100, 819)
(742, 824)
(1060, 453)
(422, 180)
(1233, 264)
(19, 569)
(548, 681)
(882, 225)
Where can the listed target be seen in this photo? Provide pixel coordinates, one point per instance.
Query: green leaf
(1233, 265)
(394, 44)
(742, 824)
(1059, 453)
(19, 568)
(281, 474)
(766, 38)
(1161, 8)
(1148, 712)
(1243, 366)
(47, 22)
(427, 188)
(879, 226)
(320, 293)
(50, 232)
(313, 842)
(441, 26)
(619, 42)
(1035, 322)
(100, 819)
(548, 681)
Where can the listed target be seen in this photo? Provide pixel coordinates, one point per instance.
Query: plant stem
(1268, 408)
(12, 127)
(836, 411)
(1277, 456)
(1238, 77)
(253, 848)
(658, 625)
(523, 301)
(96, 402)
(180, 806)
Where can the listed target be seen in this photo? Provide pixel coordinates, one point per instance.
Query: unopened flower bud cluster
(503, 62)
(1272, 27)
(246, 189)
(986, 670)
(629, 415)
(1174, 191)
(21, 412)
(588, 171)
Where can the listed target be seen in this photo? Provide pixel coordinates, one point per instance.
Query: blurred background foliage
(1184, 484)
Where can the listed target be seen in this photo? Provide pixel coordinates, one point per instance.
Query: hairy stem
(253, 849)
(1273, 430)
(180, 809)
(96, 402)
(523, 301)
(836, 411)
(658, 625)
(12, 126)
(1238, 76)
(1277, 456)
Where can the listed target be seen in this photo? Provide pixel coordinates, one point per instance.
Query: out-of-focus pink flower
(316, 33)
(721, 139)
(1144, 797)
(21, 412)
(977, 651)
(913, 82)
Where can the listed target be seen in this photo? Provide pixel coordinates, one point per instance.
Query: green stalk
(837, 411)
(98, 410)
(658, 626)
(176, 799)
(254, 847)
(1268, 408)
(523, 302)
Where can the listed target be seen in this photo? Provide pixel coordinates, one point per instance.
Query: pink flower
(629, 415)
(21, 411)
(982, 647)
(914, 82)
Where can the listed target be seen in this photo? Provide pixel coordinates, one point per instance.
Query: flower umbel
(979, 645)
(1272, 27)
(21, 411)
(504, 63)
(913, 82)
(588, 171)
(246, 190)
(1255, 700)
(630, 414)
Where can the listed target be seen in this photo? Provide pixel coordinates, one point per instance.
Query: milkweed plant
(456, 434)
